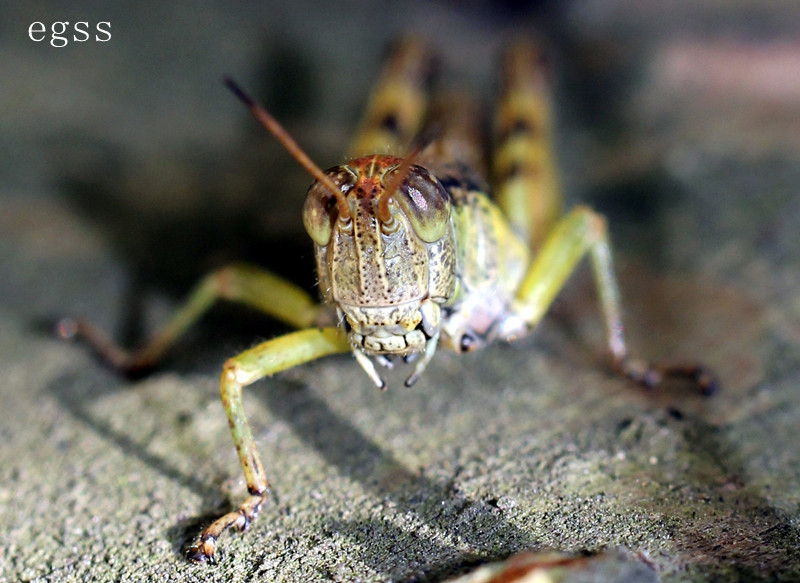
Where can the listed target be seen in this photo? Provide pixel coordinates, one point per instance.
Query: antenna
(422, 141)
(273, 127)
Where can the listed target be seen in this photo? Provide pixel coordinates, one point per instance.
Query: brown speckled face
(387, 278)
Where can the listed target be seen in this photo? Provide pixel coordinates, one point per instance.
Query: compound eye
(425, 203)
(320, 209)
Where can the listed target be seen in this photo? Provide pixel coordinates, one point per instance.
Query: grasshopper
(411, 251)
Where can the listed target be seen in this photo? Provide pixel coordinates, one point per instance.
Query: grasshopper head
(390, 263)
(385, 247)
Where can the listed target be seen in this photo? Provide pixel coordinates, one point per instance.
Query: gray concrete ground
(127, 171)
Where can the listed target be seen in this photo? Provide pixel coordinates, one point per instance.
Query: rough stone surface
(128, 171)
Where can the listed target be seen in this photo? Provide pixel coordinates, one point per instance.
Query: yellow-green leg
(241, 283)
(398, 103)
(524, 165)
(583, 231)
(263, 360)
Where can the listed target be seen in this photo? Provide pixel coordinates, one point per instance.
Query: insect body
(410, 250)
(390, 297)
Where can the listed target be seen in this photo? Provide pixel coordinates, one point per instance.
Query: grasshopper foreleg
(583, 231)
(263, 360)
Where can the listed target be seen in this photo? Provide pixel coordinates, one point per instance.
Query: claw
(203, 551)
(651, 376)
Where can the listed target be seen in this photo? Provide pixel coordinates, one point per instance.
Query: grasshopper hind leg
(524, 164)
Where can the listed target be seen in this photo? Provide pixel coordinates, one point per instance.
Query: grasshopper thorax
(390, 264)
